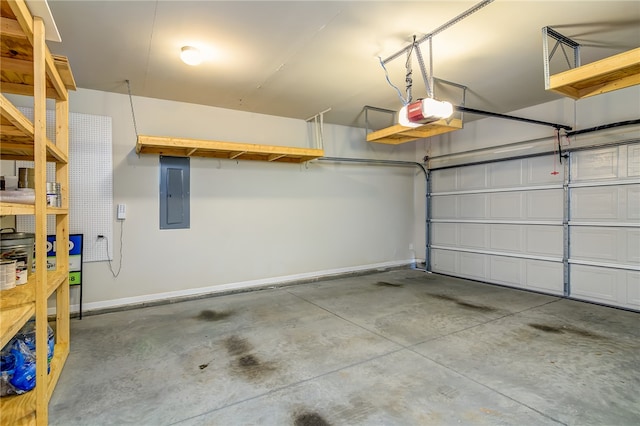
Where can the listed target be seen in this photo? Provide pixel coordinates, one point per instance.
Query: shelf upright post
(62, 226)
(40, 160)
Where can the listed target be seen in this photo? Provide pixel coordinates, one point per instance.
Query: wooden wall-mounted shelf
(398, 134)
(613, 73)
(183, 147)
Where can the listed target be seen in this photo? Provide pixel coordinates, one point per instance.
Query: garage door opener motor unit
(424, 111)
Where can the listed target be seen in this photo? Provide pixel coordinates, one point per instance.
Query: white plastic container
(7, 274)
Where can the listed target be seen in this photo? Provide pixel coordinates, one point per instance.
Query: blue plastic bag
(18, 361)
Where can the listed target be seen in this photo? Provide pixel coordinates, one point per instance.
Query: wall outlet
(122, 212)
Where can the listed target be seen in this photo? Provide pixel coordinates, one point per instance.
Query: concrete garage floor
(391, 348)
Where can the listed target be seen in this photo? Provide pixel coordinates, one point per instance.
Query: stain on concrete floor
(310, 419)
(462, 303)
(388, 284)
(209, 315)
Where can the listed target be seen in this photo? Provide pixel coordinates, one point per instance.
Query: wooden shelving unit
(397, 134)
(28, 68)
(182, 147)
(613, 73)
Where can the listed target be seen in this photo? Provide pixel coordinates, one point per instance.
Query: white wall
(252, 223)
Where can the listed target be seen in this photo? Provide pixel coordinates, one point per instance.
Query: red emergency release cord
(556, 147)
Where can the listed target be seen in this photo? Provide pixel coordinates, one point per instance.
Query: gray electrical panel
(174, 192)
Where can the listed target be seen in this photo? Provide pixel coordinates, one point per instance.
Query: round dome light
(190, 55)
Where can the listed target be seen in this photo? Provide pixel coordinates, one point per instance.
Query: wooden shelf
(17, 57)
(183, 147)
(18, 135)
(11, 209)
(398, 134)
(12, 320)
(613, 73)
(25, 294)
(15, 408)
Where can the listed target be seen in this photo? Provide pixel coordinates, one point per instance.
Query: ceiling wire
(415, 45)
(386, 75)
(409, 73)
(442, 27)
(133, 113)
(153, 26)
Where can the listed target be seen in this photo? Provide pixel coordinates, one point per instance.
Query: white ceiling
(297, 58)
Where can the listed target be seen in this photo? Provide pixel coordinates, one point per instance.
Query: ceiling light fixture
(191, 55)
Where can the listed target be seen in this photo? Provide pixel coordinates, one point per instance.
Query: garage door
(500, 222)
(604, 226)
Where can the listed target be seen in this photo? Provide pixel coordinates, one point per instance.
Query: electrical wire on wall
(115, 274)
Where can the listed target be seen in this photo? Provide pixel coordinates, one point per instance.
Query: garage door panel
(545, 205)
(472, 265)
(633, 202)
(505, 205)
(472, 177)
(444, 207)
(595, 164)
(444, 261)
(594, 203)
(506, 238)
(544, 240)
(444, 180)
(506, 270)
(533, 240)
(593, 283)
(633, 246)
(545, 276)
(633, 289)
(633, 161)
(595, 244)
(507, 174)
(473, 206)
(445, 234)
(539, 171)
(473, 235)
(516, 272)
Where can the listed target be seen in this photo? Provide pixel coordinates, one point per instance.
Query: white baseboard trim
(230, 287)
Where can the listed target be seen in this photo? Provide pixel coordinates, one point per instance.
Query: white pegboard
(90, 182)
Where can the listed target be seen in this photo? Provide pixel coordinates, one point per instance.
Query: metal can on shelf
(53, 194)
(18, 246)
(26, 177)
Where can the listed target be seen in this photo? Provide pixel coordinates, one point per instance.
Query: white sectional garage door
(500, 222)
(605, 226)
